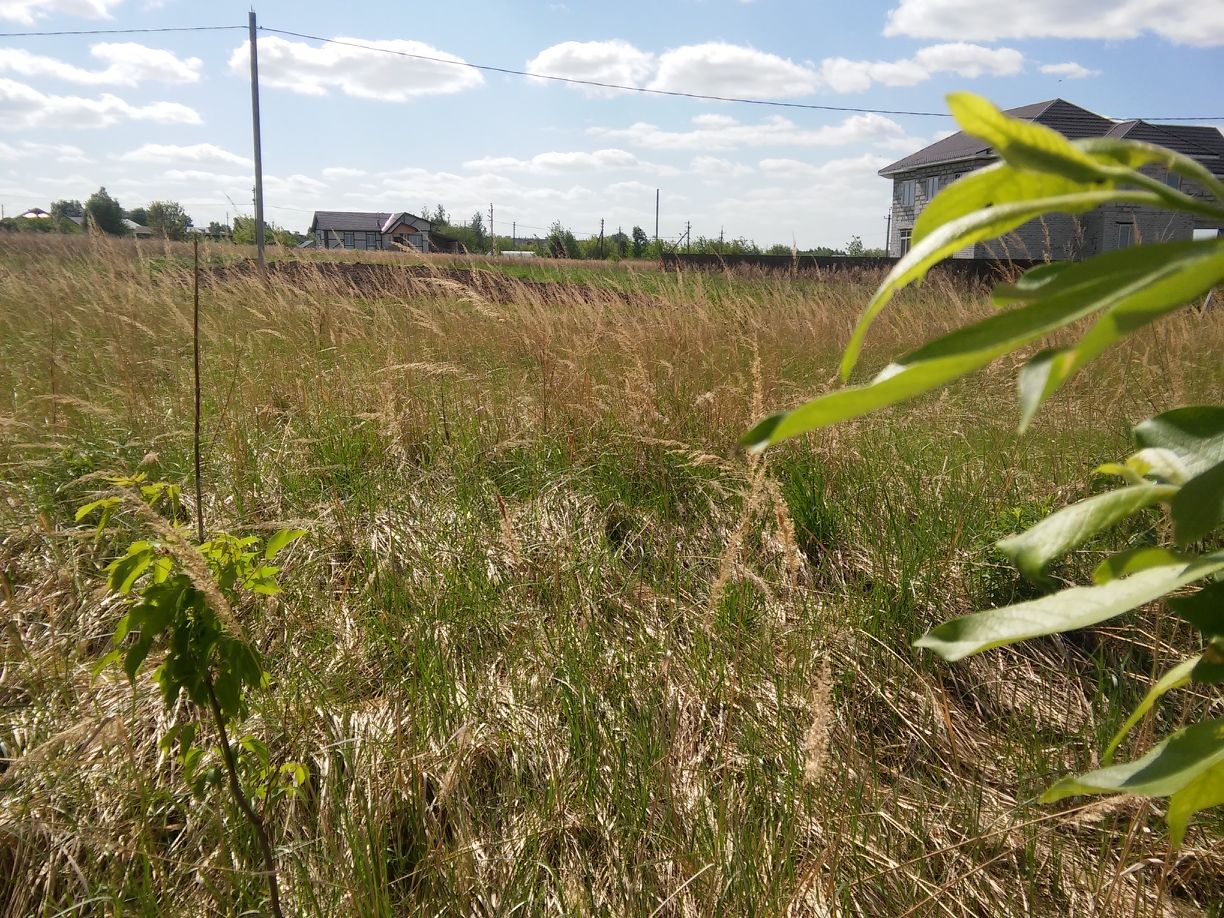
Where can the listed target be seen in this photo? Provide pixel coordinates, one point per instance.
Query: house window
(1126, 234)
(933, 184)
(905, 193)
(905, 241)
(348, 239)
(321, 238)
(1173, 180)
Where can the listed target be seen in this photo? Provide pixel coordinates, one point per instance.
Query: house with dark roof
(364, 231)
(918, 177)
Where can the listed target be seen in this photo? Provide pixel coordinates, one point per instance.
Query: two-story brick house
(918, 177)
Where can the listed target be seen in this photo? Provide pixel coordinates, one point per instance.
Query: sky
(160, 116)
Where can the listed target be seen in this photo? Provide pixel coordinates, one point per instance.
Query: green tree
(477, 228)
(169, 219)
(105, 213)
(65, 208)
(561, 243)
(244, 233)
(854, 248)
(138, 215)
(1091, 306)
(640, 241)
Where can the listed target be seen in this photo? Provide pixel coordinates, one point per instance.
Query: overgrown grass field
(555, 645)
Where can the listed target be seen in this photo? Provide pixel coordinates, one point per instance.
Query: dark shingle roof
(1205, 144)
(342, 221)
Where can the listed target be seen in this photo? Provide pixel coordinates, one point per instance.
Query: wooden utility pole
(514, 233)
(656, 215)
(601, 250)
(688, 228)
(259, 205)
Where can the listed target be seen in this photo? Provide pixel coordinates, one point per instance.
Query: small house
(135, 229)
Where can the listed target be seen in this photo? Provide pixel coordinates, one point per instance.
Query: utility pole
(888, 234)
(601, 252)
(720, 240)
(656, 215)
(688, 227)
(492, 238)
(514, 233)
(259, 207)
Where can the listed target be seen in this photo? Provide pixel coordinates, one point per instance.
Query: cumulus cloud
(721, 69)
(342, 172)
(127, 64)
(614, 61)
(991, 20)
(967, 60)
(28, 12)
(1070, 71)
(712, 167)
(836, 170)
(28, 149)
(191, 153)
(552, 163)
(23, 106)
(723, 132)
(356, 71)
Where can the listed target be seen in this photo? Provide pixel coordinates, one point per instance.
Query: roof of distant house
(352, 221)
(1206, 144)
(137, 228)
(35, 213)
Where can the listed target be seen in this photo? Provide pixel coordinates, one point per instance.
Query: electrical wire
(217, 28)
(598, 84)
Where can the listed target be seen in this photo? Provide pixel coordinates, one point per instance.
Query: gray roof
(346, 221)
(1076, 123)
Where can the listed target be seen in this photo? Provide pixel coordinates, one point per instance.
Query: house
(918, 177)
(35, 213)
(135, 229)
(342, 229)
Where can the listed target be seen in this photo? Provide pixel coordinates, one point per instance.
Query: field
(554, 644)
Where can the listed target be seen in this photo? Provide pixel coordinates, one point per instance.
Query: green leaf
(1076, 607)
(1204, 609)
(279, 540)
(100, 504)
(124, 571)
(1204, 791)
(1210, 669)
(1135, 154)
(1176, 677)
(1156, 462)
(972, 228)
(942, 360)
(1025, 144)
(1060, 532)
(1178, 273)
(1168, 767)
(1194, 433)
(109, 659)
(1133, 560)
(1198, 507)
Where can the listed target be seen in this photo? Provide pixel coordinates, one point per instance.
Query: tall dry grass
(555, 645)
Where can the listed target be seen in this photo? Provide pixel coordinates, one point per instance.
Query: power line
(601, 85)
(217, 28)
(772, 103)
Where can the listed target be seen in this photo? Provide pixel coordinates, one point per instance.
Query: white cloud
(27, 149)
(1192, 23)
(127, 64)
(612, 61)
(342, 172)
(314, 71)
(711, 167)
(23, 106)
(722, 132)
(1070, 70)
(836, 170)
(28, 12)
(721, 69)
(552, 163)
(843, 75)
(191, 153)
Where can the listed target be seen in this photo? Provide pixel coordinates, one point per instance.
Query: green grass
(554, 645)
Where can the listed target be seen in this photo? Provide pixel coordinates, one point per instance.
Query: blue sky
(168, 115)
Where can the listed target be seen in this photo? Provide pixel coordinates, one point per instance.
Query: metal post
(259, 207)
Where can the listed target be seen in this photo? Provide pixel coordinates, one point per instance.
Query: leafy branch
(1180, 463)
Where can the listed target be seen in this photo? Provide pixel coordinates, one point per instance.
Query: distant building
(35, 213)
(363, 231)
(918, 177)
(136, 229)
